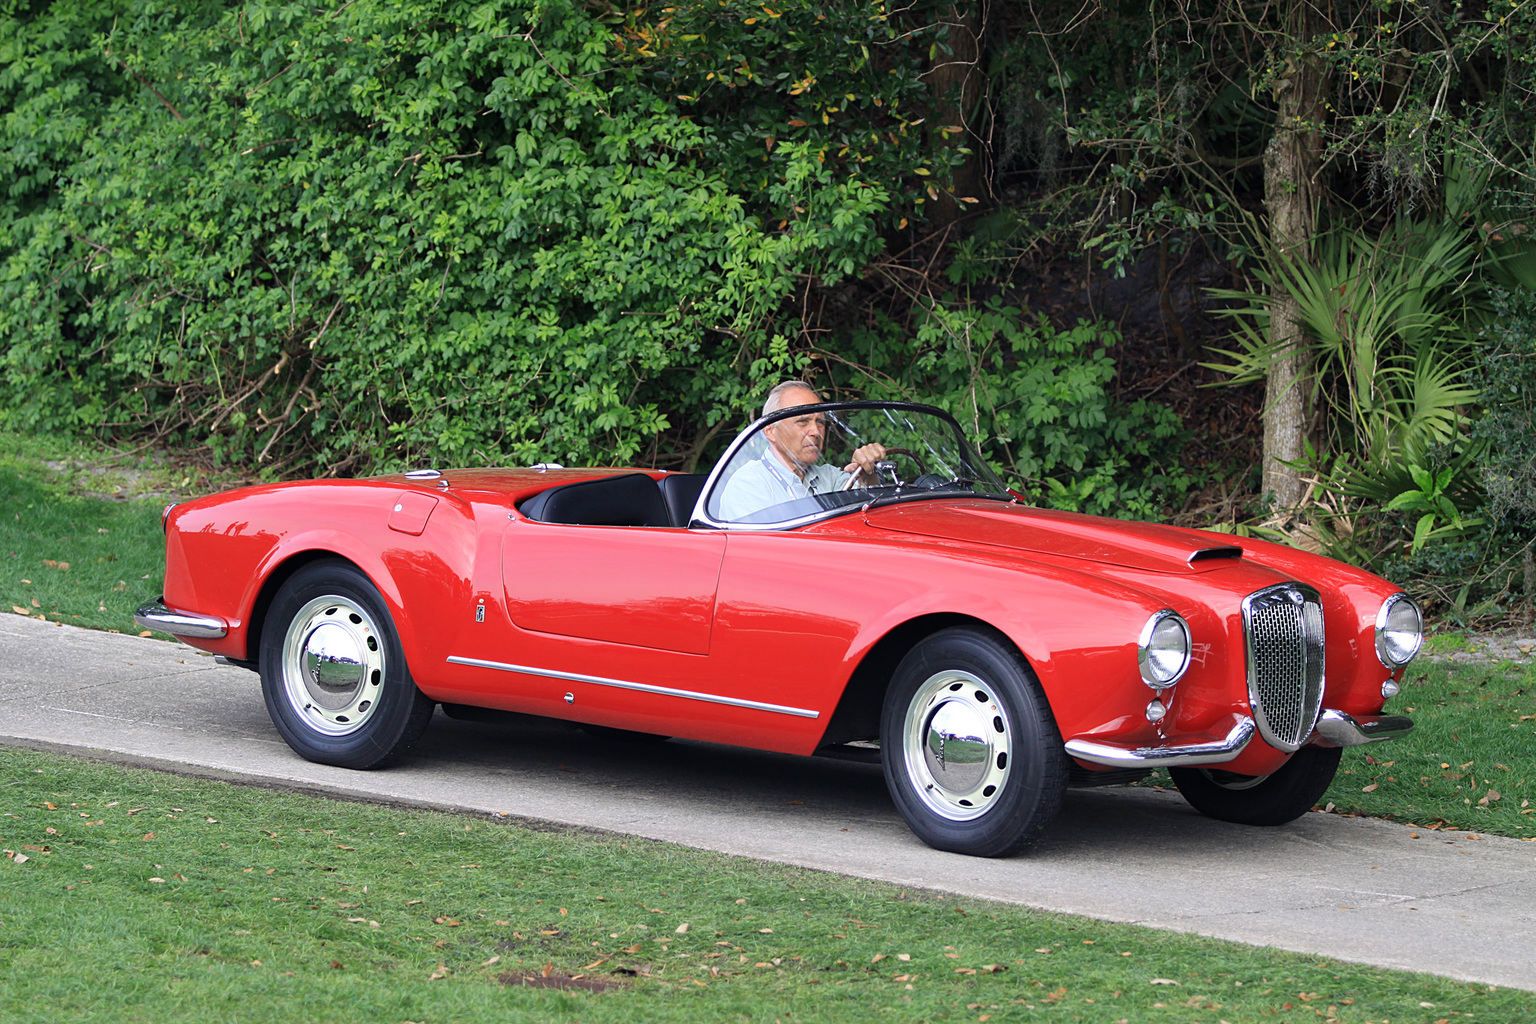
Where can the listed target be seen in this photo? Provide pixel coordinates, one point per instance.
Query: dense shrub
(460, 231)
(465, 233)
(1037, 401)
(1507, 378)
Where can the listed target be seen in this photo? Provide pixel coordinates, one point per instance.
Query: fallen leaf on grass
(1166, 981)
(19, 610)
(492, 960)
(61, 566)
(1369, 789)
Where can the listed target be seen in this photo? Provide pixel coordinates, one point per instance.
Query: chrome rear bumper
(155, 615)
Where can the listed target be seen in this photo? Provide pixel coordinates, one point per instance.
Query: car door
(639, 586)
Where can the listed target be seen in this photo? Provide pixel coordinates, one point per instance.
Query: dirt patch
(140, 473)
(582, 982)
(1517, 646)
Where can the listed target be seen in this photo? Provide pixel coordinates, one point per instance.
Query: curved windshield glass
(809, 461)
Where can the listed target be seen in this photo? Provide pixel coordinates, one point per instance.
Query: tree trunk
(956, 84)
(1292, 162)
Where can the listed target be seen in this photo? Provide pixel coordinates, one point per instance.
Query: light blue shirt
(766, 481)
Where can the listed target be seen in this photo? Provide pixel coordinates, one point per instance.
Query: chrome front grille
(1283, 631)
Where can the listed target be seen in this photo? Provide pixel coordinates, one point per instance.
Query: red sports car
(989, 654)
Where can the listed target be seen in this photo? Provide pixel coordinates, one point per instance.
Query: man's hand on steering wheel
(861, 468)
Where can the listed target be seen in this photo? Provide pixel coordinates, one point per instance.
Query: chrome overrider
(1334, 729)
(155, 615)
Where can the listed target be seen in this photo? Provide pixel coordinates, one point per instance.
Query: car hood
(1066, 534)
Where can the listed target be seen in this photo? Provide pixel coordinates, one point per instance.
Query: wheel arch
(272, 584)
(857, 715)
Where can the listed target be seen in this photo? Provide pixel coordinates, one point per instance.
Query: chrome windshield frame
(701, 516)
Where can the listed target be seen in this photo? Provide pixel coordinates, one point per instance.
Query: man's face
(799, 439)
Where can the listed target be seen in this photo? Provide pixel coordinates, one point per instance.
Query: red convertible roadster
(990, 654)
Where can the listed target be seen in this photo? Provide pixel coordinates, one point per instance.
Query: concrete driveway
(1358, 889)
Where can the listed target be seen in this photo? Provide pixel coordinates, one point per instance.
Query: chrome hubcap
(1228, 780)
(956, 742)
(333, 665)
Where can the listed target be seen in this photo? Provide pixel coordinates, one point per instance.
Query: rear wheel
(1273, 799)
(332, 671)
(971, 753)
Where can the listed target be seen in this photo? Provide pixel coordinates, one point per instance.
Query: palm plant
(1389, 327)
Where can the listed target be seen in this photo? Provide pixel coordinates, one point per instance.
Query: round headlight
(1399, 631)
(1162, 650)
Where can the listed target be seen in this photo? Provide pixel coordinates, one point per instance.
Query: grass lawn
(80, 536)
(129, 895)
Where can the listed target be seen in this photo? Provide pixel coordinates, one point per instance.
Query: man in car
(791, 466)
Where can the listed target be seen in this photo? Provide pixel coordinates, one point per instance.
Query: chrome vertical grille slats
(1283, 633)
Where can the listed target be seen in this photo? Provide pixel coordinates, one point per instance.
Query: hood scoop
(1066, 534)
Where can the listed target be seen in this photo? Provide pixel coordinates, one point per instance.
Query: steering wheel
(909, 453)
(853, 478)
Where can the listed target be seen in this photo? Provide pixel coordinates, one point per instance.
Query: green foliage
(1037, 402)
(1386, 323)
(452, 231)
(841, 81)
(1506, 371)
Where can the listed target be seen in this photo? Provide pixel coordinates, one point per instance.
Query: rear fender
(299, 550)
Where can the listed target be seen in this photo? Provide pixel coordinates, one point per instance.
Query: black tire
(332, 671)
(994, 792)
(1265, 799)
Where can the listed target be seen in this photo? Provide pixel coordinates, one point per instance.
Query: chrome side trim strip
(665, 691)
(1215, 752)
(1342, 730)
(155, 615)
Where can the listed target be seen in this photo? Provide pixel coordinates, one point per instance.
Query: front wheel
(332, 671)
(971, 753)
(1272, 799)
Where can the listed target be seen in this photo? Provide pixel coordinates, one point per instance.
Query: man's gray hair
(775, 397)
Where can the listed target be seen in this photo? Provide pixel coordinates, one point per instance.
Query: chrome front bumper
(155, 615)
(1214, 751)
(1340, 730)
(1334, 729)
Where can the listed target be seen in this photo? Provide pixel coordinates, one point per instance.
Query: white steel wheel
(971, 754)
(333, 665)
(333, 674)
(955, 742)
